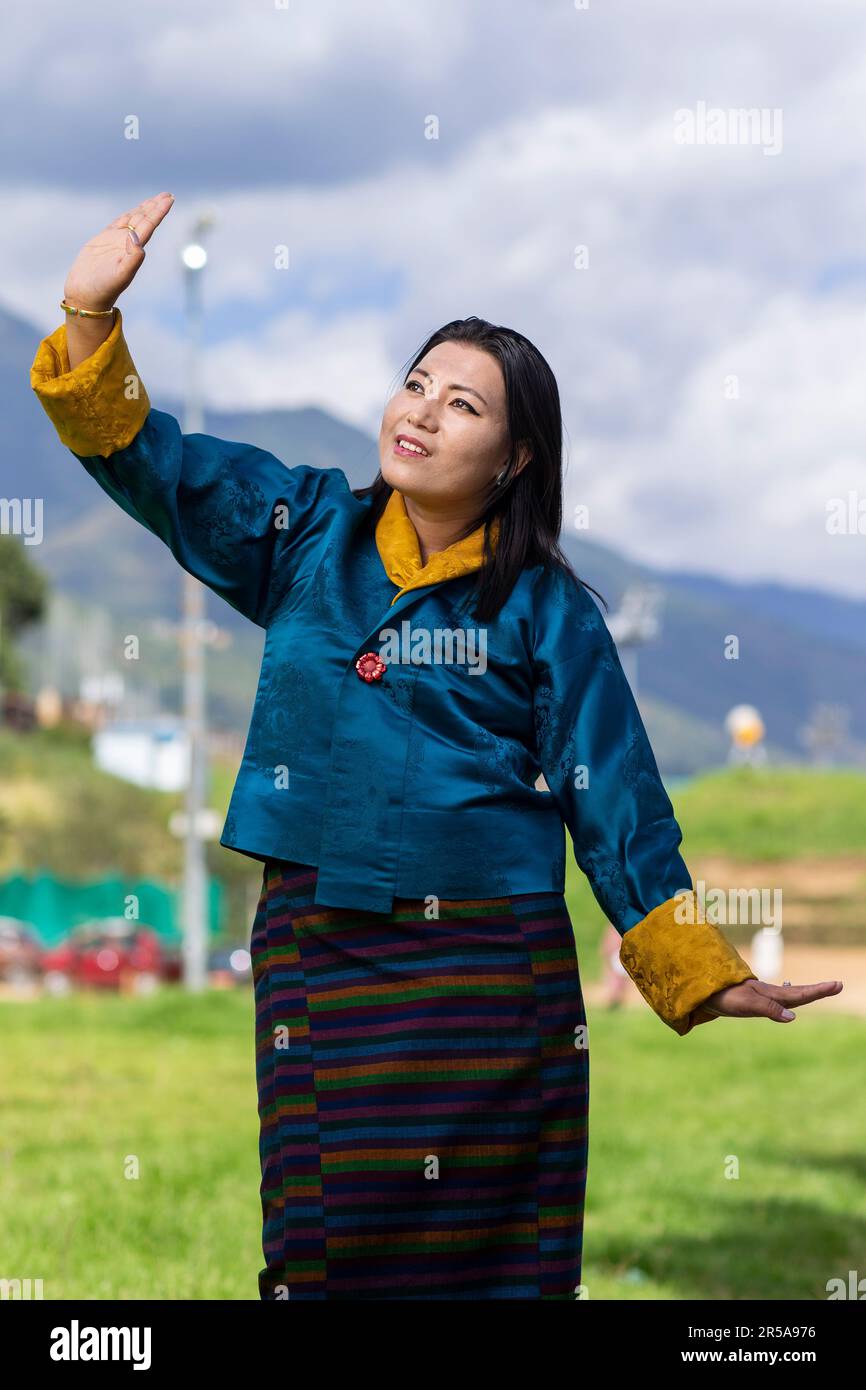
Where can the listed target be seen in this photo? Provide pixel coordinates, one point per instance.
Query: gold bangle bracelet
(87, 313)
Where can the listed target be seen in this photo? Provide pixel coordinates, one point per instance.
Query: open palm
(107, 263)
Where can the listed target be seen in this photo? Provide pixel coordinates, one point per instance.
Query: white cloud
(556, 131)
(747, 481)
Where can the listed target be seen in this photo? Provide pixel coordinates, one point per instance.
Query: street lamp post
(195, 883)
(635, 622)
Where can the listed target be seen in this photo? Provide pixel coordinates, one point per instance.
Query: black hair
(529, 505)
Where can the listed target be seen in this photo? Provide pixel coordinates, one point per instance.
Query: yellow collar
(397, 543)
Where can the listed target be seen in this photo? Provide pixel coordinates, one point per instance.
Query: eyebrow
(470, 391)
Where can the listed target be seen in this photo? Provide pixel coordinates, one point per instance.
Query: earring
(499, 477)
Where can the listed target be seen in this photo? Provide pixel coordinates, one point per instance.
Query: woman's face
(453, 404)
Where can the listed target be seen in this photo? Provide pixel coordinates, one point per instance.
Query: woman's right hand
(101, 271)
(107, 263)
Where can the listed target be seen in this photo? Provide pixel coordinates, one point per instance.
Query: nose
(424, 409)
(416, 417)
(422, 419)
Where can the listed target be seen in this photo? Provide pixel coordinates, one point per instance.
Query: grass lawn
(87, 1082)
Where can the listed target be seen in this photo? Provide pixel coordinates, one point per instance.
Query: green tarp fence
(54, 906)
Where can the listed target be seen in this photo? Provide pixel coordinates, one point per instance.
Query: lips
(404, 440)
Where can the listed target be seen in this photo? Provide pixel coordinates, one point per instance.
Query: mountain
(798, 647)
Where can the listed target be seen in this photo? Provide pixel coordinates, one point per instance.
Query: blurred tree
(23, 595)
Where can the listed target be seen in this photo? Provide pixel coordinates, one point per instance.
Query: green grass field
(89, 1082)
(777, 812)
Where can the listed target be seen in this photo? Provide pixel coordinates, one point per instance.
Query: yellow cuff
(100, 405)
(676, 965)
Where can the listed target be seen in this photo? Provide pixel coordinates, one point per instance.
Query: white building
(151, 753)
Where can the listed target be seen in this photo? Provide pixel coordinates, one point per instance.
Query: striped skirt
(423, 1085)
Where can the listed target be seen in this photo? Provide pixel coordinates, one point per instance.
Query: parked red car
(111, 953)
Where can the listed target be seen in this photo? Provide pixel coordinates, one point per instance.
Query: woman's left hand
(755, 999)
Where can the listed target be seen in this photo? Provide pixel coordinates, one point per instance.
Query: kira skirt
(423, 1089)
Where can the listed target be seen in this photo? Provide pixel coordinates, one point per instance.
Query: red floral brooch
(370, 666)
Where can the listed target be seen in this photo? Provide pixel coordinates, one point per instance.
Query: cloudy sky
(709, 342)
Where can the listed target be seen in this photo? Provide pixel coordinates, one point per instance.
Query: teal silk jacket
(419, 780)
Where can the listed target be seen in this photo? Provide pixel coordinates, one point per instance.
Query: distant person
(422, 1075)
(617, 981)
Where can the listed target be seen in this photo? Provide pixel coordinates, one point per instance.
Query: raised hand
(101, 271)
(107, 263)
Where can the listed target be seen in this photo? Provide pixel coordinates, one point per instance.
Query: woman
(420, 1031)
